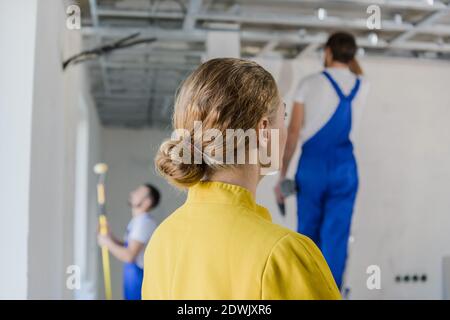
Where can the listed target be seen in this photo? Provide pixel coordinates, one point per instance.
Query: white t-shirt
(321, 100)
(140, 229)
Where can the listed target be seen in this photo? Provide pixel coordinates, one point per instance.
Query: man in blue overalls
(326, 106)
(142, 200)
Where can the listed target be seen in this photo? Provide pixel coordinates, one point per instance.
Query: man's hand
(278, 194)
(104, 240)
(108, 229)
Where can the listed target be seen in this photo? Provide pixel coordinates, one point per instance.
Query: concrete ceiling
(134, 87)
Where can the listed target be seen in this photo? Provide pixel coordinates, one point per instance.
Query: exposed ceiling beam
(308, 50)
(146, 67)
(299, 20)
(388, 4)
(269, 47)
(261, 36)
(117, 98)
(421, 46)
(419, 27)
(286, 20)
(120, 13)
(96, 22)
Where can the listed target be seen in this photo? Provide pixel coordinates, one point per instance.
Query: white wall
(48, 202)
(402, 219)
(16, 83)
(85, 210)
(42, 115)
(56, 119)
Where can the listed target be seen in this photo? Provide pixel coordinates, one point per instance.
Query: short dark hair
(343, 46)
(154, 194)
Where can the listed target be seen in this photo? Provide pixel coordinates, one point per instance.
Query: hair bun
(177, 173)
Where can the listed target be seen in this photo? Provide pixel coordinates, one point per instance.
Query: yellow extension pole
(101, 169)
(105, 259)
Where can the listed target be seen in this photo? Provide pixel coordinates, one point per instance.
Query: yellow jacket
(221, 245)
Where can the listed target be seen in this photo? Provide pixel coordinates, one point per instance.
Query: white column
(17, 34)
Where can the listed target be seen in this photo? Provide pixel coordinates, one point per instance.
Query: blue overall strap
(338, 90)
(354, 90)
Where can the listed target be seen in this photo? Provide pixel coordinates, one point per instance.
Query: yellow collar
(220, 192)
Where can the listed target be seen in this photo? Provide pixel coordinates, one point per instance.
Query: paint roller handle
(103, 228)
(106, 273)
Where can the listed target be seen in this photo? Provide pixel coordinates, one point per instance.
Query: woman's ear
(264, 123)
(263, 131)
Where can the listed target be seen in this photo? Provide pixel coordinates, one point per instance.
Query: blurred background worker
(131, 251)
(326, 107)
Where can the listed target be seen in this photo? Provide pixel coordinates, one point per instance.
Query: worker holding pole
(100, 169)
(131, 249)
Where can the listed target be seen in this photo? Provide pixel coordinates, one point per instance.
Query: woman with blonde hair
(220, 244)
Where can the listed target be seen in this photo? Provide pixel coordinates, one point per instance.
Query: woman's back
(221, 245)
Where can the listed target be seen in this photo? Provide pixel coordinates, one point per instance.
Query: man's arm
(294, 128)
(116, 240)
(113, 238)
(124, 254)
